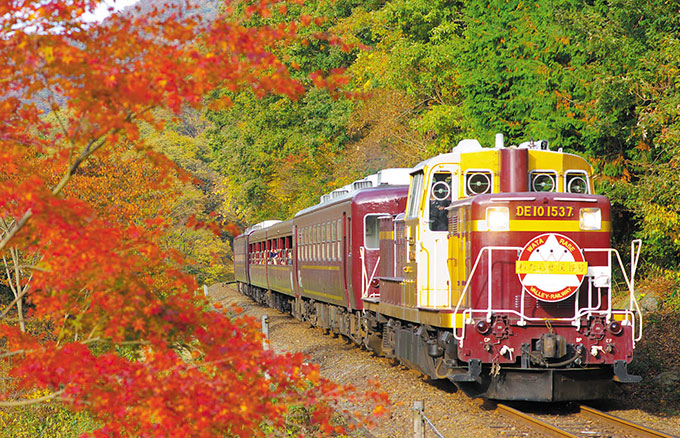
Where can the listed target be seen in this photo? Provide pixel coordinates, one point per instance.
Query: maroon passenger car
(323, 261)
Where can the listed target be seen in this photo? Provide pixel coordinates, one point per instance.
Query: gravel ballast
(452, 412)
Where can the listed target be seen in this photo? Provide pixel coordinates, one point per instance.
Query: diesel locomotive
(490, 267)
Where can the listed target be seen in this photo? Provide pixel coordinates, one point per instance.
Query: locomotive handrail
(427, 269)
(635, 247)
(489, 310)
(365, 280)
(633, 311)
(634, 258)
(375, 268)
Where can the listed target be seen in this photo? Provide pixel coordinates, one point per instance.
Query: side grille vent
(361, 184)
(453, 223)
(338, 193)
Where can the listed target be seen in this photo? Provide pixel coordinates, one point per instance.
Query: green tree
(272, 151)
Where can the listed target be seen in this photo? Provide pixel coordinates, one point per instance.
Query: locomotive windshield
(576, 182)
(477, 182)
(543, 181)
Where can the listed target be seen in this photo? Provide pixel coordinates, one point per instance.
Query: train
(491, 267)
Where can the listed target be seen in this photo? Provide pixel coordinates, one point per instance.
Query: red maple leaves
(123, 335)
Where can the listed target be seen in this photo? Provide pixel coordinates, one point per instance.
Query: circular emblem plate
(551, 267)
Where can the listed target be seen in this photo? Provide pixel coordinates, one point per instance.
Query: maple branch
(89, 150)
(34, 268)
(61, 330)
(92, 146)
(98, 339)
(18, 297)
(8, 275)
(56, 112)
(5, 227)
(18, 289)
(14, 353)
(31, 401)
(15, 228)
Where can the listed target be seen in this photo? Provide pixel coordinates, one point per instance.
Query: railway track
(586, 422)
(466, 419)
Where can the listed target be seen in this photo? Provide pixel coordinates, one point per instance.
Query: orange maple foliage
(102, 279)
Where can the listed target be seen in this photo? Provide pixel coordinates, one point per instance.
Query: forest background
(598, 78)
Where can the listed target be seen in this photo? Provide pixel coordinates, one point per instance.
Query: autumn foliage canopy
(122, 334)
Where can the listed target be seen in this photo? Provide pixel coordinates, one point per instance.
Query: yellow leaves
(543, 70)
(38, 393)
(47, 53)
(662, 218)
(223, 102)
(625, 174)
(67, 58)
(642, 146)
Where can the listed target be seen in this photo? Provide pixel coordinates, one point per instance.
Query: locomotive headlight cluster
(498, 218)
(590, 219)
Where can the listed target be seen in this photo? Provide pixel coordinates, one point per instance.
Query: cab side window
(440, 198)
(414, 195)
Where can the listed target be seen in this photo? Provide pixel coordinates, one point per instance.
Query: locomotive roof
(396, 177)
(463, 147)
(471, 146)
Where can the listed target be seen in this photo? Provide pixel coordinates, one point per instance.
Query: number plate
(543, 211)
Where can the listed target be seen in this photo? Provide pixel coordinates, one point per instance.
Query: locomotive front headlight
(590, 218)
(498, 218)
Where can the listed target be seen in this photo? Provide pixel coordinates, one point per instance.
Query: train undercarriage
(433, 352)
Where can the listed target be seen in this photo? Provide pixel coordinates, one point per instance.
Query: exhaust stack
(514, 170)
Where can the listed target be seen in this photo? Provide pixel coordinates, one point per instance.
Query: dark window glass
(440, 198)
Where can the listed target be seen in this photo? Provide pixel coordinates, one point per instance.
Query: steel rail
(620, 423)
(534, 423)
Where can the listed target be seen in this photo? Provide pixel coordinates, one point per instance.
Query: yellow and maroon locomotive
(497, 275)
